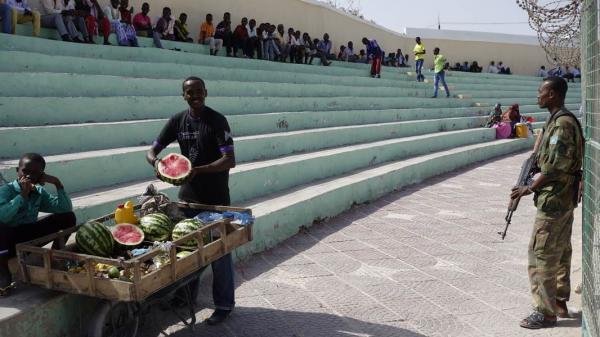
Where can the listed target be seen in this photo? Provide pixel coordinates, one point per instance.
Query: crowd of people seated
(569, 74)
(465, 67)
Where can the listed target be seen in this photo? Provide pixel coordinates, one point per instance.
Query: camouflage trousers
(550, 261)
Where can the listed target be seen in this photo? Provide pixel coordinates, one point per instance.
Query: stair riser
(117, 168)
(41, 111)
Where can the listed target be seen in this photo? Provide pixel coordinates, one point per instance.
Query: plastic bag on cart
(153, 201)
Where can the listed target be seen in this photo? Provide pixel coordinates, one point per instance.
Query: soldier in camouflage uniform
(556, 196)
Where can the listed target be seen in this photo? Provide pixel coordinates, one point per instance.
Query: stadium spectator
(300, 49)
(492, 69)
(512, 116)
(143, 25)
(340, 54)
(252, 44)
(495, 116)
(78, 19)
(223, 32)
(320, 53)
(362, 56)
(568, 75)
(273, 45)
(457, 67)
(439, 62)
(181, 30)
(465, 67)
(95, 20)
(121, 29)
(400, 60)
(420, 52)
(21, 202)
(165, 26)
(310, 49)
(475, 68)
(21, 12)
(576, 72)
(374, 56)
(5, 17)
(207, 35)
(324, 47)
(503, 69)
(240, 38)
(55, 15)
(542, 72)
(348, 54)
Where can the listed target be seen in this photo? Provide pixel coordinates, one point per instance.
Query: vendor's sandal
(538, 321)
(6, 290)
(561, 309)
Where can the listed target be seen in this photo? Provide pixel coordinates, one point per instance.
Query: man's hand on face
(48, 179)
(26, 187)
(520, 191)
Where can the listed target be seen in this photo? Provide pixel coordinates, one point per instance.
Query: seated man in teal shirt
(20, 203)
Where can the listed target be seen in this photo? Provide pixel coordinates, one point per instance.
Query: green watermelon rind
(156, 227)
(184, 228)
(173, 180)
(93, 238)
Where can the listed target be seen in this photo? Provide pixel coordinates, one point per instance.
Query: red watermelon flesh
(174, 168)
(128, 235)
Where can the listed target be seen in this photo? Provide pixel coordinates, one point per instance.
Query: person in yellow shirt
(419, 51)
(439, 63)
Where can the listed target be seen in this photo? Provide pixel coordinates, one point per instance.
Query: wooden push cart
(126, 300)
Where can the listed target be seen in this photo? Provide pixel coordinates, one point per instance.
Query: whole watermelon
(93, 238)
(184, 228)
(156, 227)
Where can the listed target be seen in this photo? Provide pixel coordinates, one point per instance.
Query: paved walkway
(424, 261)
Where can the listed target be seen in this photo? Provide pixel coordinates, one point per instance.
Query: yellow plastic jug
(521, 130)
(125, 214)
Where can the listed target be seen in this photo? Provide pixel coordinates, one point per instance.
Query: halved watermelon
(127, 235)
(174, 169)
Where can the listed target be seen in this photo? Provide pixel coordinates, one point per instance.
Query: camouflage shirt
(560, 159)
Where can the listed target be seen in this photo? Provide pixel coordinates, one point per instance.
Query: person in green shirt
(439, 61)
(20, 203)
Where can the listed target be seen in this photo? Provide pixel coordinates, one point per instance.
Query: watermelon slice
(127, 235)
(174, 169)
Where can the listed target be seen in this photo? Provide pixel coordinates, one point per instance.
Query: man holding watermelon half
(20, 203)
(204, 138)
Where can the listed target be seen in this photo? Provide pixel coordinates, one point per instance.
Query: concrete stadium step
(142, 68)
(506, 102)
(65, 110)
(97, 136)
(44, 84)
(262, 147)
(35, 62)
(290, 121)
(50, 47)
(33, 84)
(91, 204)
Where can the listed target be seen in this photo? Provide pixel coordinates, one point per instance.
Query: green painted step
(142, 68)
(65, 110)
(35, 84)
(77, 165)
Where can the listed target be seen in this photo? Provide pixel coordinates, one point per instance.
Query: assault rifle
(528, 170)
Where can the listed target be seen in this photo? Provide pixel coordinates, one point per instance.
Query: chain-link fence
(591, 202)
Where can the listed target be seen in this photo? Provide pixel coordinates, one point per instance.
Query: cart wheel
(114, 319)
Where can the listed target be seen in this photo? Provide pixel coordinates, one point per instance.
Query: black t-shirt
(202, 140)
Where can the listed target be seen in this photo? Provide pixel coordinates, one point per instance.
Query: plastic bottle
(125, 214)
(130, 213)
(120, 214)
